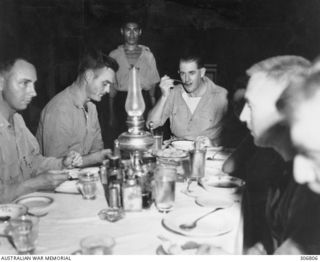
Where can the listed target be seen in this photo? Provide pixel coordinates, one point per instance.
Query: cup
(24, 232)
(165, 179)
(157, 139)
(97, 245)
(88, 185)
(198, 160)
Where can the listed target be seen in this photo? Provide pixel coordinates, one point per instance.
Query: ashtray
(111, 214)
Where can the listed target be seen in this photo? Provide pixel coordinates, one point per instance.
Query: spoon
(192, 225)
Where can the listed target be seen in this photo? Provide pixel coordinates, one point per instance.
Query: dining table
(71, 218)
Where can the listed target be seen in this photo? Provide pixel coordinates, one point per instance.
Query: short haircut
(94, 60)
(301, 89)
(280, 67)
(191, 57)
(7, 64)
(131, 19)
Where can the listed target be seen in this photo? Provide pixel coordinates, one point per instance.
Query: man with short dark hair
(70, 121)
(130, 54)
(196, 107)
(22, 168)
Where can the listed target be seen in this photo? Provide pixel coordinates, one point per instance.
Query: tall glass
(24, 232)
(198, 161)
(165, 179)
(157, 139)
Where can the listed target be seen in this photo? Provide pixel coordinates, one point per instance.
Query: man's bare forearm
(155, 114)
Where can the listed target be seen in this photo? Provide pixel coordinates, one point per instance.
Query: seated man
(267, 81)
(22, 168)
(70, 121)
(301, 105)
(196, 107)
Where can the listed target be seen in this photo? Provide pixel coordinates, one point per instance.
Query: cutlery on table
(193, 224)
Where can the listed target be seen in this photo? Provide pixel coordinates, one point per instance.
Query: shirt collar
(3, 122)
(74, 99)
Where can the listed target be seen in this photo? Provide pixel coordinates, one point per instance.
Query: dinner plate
(74, 172)
(37, 205)
(185, 145)
(222, 184)
(213, 202)
(69, 187)
(215, 224)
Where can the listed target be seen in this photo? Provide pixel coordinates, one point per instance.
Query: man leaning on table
(288, 203)
(22, 168)
(196, 107)
(70, 121)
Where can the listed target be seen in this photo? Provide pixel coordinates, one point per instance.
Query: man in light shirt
(129, 54)
(196, 107)
(22, 168)
(70, 121)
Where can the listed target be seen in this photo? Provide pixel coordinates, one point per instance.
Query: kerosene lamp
(136, 138)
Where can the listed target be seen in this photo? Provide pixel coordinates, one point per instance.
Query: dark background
(233, 34)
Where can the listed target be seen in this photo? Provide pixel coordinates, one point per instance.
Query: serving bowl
(222, 184)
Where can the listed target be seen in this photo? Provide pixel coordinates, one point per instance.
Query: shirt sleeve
(39, 162)
(168, 107)
(97, 142)
(53, 133)
(150, 75)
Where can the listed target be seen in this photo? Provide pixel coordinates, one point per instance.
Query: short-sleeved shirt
(146, 64)
(19, 153)
(207, 118)
(66, 125)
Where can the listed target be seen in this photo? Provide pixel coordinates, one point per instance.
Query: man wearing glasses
(196, 107)
(70, 121)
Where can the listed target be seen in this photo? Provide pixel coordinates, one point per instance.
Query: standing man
(69, 121)
(196, 107)
(131, 53)
(22, 168)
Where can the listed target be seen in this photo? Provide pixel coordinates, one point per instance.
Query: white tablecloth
(71, 218)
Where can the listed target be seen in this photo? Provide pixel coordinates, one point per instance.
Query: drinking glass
(24, 231)
(165, 179)
(97, 245)
(157, 139)
(88, 185)
(198, 160)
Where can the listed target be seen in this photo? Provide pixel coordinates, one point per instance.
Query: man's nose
(244, 114)
(32, 91)
(186, 78)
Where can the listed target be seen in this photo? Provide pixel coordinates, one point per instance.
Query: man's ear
(89, 75)
(202, 71)
(140, 32)
(121, 31)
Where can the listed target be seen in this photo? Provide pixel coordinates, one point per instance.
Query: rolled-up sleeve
(54, 133)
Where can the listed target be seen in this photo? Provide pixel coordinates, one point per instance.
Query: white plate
(212, 201)
(71, 172)
(37, 205)
(69, 187)
(215, 224)
(185, 145)
(91, 170)
(222, 184)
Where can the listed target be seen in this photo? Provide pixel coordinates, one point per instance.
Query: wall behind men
(233, 34)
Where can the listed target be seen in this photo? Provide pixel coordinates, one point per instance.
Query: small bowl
(37, 205)
(183, 145)
(9, 211)
(222, 184)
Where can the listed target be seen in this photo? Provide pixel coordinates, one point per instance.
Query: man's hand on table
(73, 159)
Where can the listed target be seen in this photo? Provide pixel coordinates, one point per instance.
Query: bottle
(115, 179)
(131, 195)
